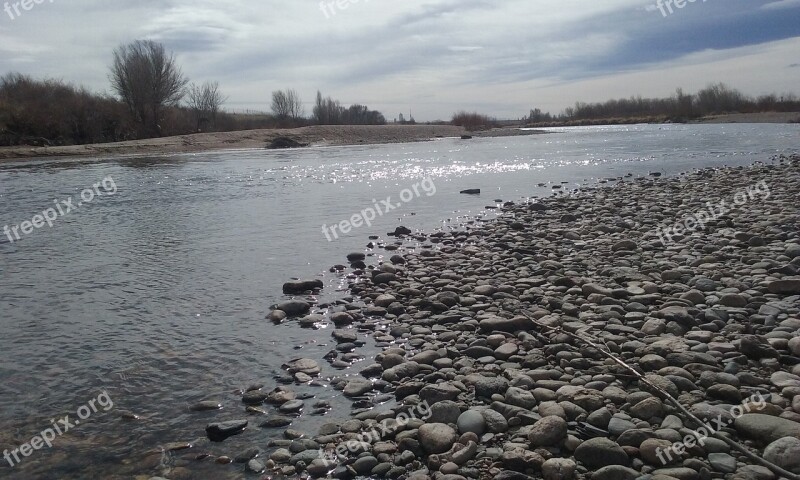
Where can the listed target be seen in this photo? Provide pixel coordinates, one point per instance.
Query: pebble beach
(482, 372)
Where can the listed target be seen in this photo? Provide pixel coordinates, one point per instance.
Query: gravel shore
(481, 374)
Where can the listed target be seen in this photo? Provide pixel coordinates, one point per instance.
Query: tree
(205, 101)
(287, 105)
(147, 79)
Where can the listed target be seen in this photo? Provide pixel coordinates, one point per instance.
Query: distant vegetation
(473, 121)
(152, 98)
(716, 99)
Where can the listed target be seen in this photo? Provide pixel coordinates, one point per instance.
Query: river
(156, 290)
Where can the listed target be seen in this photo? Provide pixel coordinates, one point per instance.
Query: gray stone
(766, 428)
(548, 432)
(437, 437)
(473, 421)
(600, 452)
(784, 452)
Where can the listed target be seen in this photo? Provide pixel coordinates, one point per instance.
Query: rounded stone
(437, 437)
(548, 432)
(472, 421)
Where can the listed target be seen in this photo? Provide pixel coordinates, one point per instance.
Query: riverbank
(328, 135)
(709, 314)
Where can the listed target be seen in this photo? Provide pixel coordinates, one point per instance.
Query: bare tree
(147, 79)
(205, 101)
(287, 104)
(280, 104)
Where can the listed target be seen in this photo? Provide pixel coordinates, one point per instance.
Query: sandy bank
(314, 136)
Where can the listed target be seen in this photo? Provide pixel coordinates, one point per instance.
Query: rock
(218, 432)
(283, 142)
(722, 462)
(341, 319)
(648, 408)
(784, 379)
(297, 287)
(615, 472)
(766, 428)
(356, 257)
(520, 398)
(784, 452)
(652, 452)
(364, 465)
(472, 421)
(624, 245)
(509, 325)
(384, 278)
(757, 347)
(255, 466)
(254, 397)
(600, 452)
(485, 387)
(357, 387)
(437, 437)
(438, 393)
(785, 287)
(294, 308)
(305, 365)
(548, 432)
(559, 469)
(445, 411)
(206, 405)
(292, 406)
(495, 421)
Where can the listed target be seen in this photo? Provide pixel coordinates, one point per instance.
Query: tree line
(151, 98)
(716, 99)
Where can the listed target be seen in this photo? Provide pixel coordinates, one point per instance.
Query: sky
(426, 58)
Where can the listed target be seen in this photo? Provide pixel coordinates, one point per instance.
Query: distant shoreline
(763, 117)
(313, 136)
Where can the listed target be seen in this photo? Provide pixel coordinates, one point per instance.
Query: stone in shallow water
(206, 405)
(218, 432)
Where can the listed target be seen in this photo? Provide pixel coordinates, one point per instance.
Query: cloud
(432, 56)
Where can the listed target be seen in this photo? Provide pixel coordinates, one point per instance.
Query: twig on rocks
(666, 396)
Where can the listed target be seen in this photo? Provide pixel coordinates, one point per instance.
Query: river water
(156, 290)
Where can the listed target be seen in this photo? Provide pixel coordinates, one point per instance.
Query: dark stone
(285, 142)
(218, 432)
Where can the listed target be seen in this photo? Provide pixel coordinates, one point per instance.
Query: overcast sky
(426, 57)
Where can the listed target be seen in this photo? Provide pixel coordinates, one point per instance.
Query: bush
(472, 121)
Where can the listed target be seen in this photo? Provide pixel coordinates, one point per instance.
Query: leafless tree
(287, 105)
(205, 101)
(147, 79)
